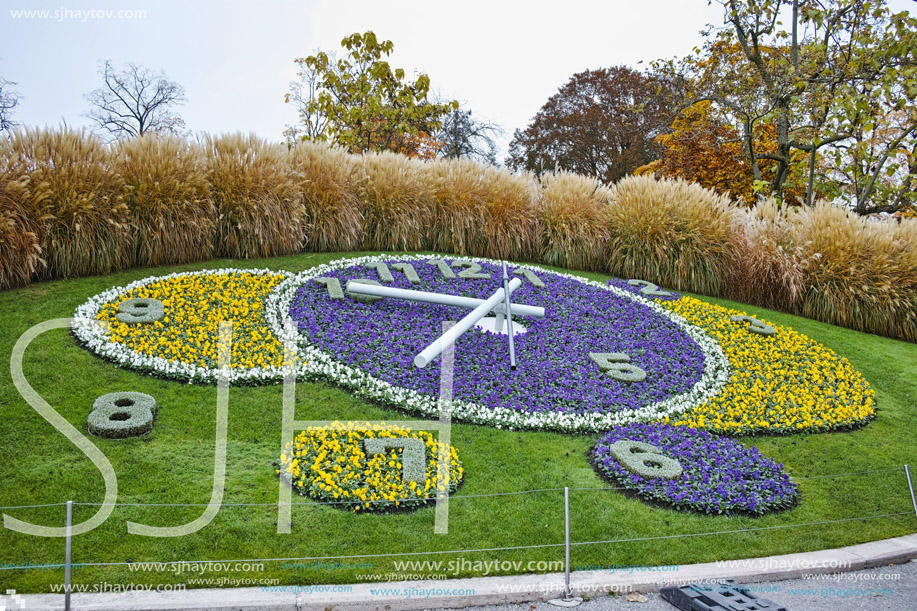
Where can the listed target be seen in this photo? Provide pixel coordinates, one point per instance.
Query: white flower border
(94, 335)
(320, 365)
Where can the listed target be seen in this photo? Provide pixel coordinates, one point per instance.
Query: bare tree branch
(9, 99)
(135, 101)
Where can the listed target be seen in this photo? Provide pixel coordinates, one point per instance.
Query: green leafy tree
(361, 103)
(825, 79)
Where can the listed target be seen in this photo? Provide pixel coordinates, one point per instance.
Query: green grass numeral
(413, 455)
(532, 278)
(617, 366)
(473, 270)
(756, 326)
(334, 287)
(359, 296)
(382, 269)
(649, 288)
(644, 459)
(444, 268)
(408, 270)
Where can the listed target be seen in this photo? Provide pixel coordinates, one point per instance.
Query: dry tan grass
(259, 209)
(20, 233)
(328, 180)
(71, 205)
(483, 211)
(770, 270)
(397, 207)
(866, 275)
(573, 216)
(85, 224)
(671, 232)
(174, 220)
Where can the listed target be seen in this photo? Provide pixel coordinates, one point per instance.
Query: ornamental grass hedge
(72, 205)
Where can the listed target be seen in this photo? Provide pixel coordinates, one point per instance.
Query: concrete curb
(394, 596)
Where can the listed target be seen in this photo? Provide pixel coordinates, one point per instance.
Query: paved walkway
(810, 570)
(888, 588)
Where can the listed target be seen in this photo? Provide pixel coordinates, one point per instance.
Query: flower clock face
(667, 370)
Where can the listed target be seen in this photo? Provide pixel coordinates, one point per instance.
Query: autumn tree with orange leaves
(827, 75)
(601, 123)
(705, 148)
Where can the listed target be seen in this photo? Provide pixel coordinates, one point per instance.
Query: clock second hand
(509, 319)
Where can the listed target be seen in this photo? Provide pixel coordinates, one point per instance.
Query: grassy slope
(174, 464)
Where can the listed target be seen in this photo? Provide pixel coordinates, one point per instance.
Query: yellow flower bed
(194, 305)
(329, 464)
(782, 383)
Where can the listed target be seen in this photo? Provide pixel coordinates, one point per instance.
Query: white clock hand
(359, 288)
(448, 338)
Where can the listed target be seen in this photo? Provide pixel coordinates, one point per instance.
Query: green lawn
(174, 464)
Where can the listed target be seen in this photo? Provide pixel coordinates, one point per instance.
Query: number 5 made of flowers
(67, 430)
(756, 326)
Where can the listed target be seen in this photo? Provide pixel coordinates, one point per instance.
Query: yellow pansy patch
(783, 383)
(329, 464)
(194, 305)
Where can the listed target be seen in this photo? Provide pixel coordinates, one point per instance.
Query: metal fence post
(910, 485)
(567, 593)
(67, 556)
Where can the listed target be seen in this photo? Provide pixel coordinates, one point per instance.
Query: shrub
(483, 211)
(573, 216)
(671, 232)
(397, 208)
(865, 276)
(20, 233)
(328, 182)
(85, 222)
(172, 215)
(259, 212)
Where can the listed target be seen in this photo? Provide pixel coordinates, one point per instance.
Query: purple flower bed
(555, 372)
(719, 475)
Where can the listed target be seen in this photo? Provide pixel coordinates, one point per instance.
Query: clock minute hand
(454, 300)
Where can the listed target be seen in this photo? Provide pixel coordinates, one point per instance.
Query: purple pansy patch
(719, 475)
(555, 373)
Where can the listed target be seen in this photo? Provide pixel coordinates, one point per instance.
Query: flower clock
(660, 376)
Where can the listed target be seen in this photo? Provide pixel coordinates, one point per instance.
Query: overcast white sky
(500, 58)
